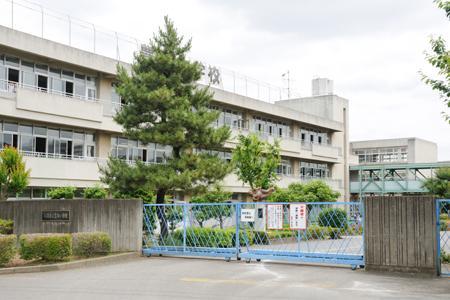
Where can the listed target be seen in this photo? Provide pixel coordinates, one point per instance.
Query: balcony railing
(11, 88)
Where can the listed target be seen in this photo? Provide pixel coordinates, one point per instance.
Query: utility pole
(286, 75)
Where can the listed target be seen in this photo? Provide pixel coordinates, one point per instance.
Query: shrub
(91, 243)
(48, 247)
(205, 237)
(95, 192)
(6, 226)
(445, 257)
(7, 248)
(443, 225)
(65, 192)
(333, 217)
(315, 232)
(334, 233)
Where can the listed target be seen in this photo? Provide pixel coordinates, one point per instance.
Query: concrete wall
(421, 151)
(121, 219)
(400, 234)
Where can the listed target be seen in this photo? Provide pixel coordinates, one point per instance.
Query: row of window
(45, 78)
(228, 117)
(314, 136)
(133, 150)
(314, 170)
(382, 155)
(270, 127)
(46, 141)
(40, 193)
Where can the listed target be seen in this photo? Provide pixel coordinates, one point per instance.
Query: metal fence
(33, 18)
(443, 215)
(322, 232)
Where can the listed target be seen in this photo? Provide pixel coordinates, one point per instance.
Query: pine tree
(163, 104)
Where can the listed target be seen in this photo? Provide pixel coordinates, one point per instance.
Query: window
(68, 88)
(42, 83)
(26, 143)
(40, 144)
(13, 75)
(28, 78)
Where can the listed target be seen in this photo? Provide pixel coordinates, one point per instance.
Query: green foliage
(203, 213)
(439, 185)
(445, 257)
(439, 58)
(88, 244)
(316, 232)
(333, 217)
(7, 248)
(6, 226)
(163, 104)
(95, 192)
(47, 247)
(65, 192)
(13, 174)
(312, 191)
(256, 162)
(174, 215)
(207, 237)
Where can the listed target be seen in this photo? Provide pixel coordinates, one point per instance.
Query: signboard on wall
(56, 215)
(274, 216)
(247, 215)
(297, 216)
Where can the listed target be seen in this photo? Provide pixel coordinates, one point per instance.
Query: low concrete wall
(400, 234)
(121, 219)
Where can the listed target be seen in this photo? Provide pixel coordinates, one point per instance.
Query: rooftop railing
(35, 19)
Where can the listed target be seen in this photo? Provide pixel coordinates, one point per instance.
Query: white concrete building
(57, 103)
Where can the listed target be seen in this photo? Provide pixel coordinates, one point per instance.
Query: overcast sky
(373, 50)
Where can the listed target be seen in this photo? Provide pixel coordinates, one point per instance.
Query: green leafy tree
(14, 176)
(174, 215)
(203, 213)
(64, 192)
(256, 162)
(163, 104)
(312, 191)
(439, 58)
(95, 192)
(439, 185)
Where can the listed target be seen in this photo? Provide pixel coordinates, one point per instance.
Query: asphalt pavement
(194, 278)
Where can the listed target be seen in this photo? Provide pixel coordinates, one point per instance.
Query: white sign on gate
(274, 216)
(247, 215)
(297, 216)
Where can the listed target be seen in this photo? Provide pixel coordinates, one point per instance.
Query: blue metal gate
(321, 232)
(443, 230)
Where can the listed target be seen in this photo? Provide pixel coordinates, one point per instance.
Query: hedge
(7, 248)
(91, 243)
(47, 247)
(226, 238)
(6, 226)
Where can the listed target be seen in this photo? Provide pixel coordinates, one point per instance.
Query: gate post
(400, 234)
(237, 242)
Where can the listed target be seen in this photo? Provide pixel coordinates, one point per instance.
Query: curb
(97, 261)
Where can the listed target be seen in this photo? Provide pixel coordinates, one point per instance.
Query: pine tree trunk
(160, 212)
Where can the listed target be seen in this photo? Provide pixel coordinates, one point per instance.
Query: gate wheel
(227, 259)
(354, 267)
(248, 260)
(258, 259)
